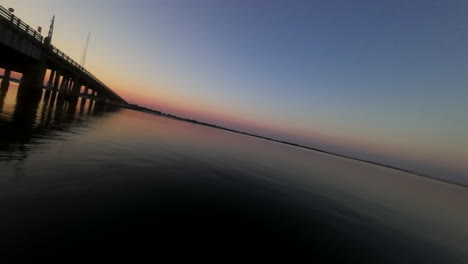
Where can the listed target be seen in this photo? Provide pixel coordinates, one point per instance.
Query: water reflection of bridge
(26, 122)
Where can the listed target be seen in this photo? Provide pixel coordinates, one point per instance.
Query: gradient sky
(381, 80)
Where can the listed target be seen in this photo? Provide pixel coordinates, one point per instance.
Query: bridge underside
(60, 79)
(14, 60)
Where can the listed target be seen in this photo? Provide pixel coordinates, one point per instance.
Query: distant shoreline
(151, 111)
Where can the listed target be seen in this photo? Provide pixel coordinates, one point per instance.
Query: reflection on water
(27, 122)
(79, 178)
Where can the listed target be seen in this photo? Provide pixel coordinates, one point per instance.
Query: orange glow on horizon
(159, 97)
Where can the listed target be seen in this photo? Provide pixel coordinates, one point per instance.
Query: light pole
(12, 17)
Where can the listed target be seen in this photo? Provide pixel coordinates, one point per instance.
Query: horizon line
(136, 107)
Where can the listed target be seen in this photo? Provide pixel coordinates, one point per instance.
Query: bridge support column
(75, 92)
(91, 106)
(82, 104)
(6, 80)
(84, 94)
(33, 77)
(70, 86)
(47, 96)
(72, 104)
(67, 86)
(64, 84)
(95, 95)
(56, 81)
(3, 93)
(51, 80)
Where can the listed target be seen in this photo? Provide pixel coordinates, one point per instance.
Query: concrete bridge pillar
(33, 76)
(6, 80)
(2, 97)
(72, 104)
(84, 94)
(82, 104)
(63, 85)
(91, 106)
(72, 85)
(51, 80)
(75, 92)
(46, 96)
(56, 81)
(67, 86)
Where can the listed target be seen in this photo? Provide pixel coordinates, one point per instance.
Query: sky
(379, 80)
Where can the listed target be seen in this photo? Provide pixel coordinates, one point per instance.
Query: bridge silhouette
(25, 50)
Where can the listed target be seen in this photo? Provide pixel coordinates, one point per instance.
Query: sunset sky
(380, 80)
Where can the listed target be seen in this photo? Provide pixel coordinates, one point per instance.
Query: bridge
(25, 50)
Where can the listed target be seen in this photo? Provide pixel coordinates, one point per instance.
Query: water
(79, 180)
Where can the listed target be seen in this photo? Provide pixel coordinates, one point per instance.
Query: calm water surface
(83, 179)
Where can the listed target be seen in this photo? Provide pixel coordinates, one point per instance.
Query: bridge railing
(8, 16)
(66, 58)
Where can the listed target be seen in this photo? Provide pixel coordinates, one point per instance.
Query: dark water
(81, 181)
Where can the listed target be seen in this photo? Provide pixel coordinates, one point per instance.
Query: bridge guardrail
(65, 57)
(7, 15)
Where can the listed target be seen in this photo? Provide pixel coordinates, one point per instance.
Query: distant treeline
(145, 109)
(151, 111)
